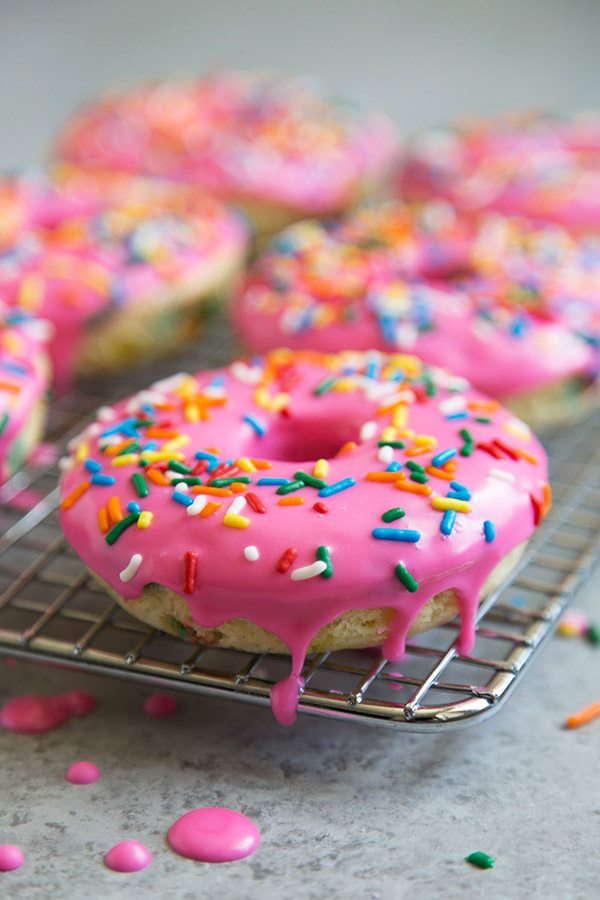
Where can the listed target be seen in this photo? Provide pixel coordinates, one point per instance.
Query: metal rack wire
(52, 610)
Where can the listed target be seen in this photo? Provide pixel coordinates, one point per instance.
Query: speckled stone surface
(345, 810)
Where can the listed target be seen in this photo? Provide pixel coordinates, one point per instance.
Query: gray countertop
(345, 810)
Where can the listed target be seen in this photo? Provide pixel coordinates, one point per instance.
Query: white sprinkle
(368, 431)
(245, 373)
(518, 428)
(105, 413)
(452, 405)
(385, 454)
(214, 390)
(131, 568)
(65, 463)
(173, 476)
(236, 506)
(309, 571)
(181, 485)
(251, 553)
(502, 475)
(108, 440)
(197, 505)
(169, 384)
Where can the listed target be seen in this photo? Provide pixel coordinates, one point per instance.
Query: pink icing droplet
(128, 856)
(159, 705)
(37, 712)
(214, 834)
(284, 699)
(11, 857)
(83, 773)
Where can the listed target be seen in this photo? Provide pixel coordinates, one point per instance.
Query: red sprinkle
(537, 510)
(191, 561)
(200, 467)
(286, 559)
(512, 454)
(255, 503)
(320, 507)
(492, 450)
(224, 471)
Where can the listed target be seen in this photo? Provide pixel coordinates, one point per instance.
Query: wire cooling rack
(52, 610)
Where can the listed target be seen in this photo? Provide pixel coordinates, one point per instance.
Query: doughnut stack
(366, 468)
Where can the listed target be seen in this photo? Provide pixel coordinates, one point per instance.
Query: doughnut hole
(291, 439)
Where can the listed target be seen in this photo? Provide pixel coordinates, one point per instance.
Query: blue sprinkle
(92, 466)
(394, 467)
(148, 409)
(448, 520)
(149, 445)
(372, 369)
(134, 507)
(489, 531)
(204, 454)
(459, 495)
(126, 427)
(440, 459)
(14, 368)
(102, 479)
(458, 486)
(396, 534)
(273, 481)
(457, 415)
(213, 464)
(259, 427)
(182, 498)
(337, 487)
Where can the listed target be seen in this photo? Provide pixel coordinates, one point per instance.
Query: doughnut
(304, 502)
(24, 376)
(546, 168)
(278, 147)
(121, 279)
(512, 307)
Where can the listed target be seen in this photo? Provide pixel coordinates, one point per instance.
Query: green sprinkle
(130, 448)
(415, 467)
(397, 445)
(4, 420)
(176, 466)
(404, 576)
(419, 477)
(467, 450)
(324, 555)
(225, 482)
(191, 480)
(466, 436)
(117, 530)
(483, 420)
(139, 483)
(143, 423)
(324, 386)
(290, 488)
(310, 480)
(593, 634)
(430, 388)
(179, 628)
(481, 860)
(392, 514)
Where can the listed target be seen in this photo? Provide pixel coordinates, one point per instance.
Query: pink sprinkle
(34, 713)
(159, 705)
(214, 834)
(83, 773)
(128, 856)
(11, 857)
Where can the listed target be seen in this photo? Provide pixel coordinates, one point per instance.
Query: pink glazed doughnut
(24, 376)
(304, 502)
(279, 147)
(518, 311)
(120, 279)
(525, 164)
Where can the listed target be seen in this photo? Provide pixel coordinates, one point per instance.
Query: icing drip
(34, 713)
(160, 705)
(214, 834)
(128, 856)
(11, 857)
(83, 773)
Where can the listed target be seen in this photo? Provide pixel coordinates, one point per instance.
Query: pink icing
(240, 135)
(11, 857)
(34, 713)
(128, 856)
(525, 293)
(227, 565)
(76, 249)
(214, 834)
(83, 773)
(160, 705)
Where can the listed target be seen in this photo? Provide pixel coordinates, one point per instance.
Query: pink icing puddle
(214, 834)
(160, 705)
(36, 712)
(11, 857)
(128, 856)
(284, 699)
(83, 773)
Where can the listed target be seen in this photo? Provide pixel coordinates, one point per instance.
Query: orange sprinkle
(385, 476)
(113, 449)
(524, 454)
(75, 494)
(261, 463)
(348, 447)
(584, 716)
(290, 501)
(216, 492)
(419, 450)
(439, 473)
(238, 487)
(450, 466)
(547, 494)
(210, 508)
(483, 405)
(103, 522)
(161, 433)
(114, 510)
(411, 488)
(156, 476)
(7, 386)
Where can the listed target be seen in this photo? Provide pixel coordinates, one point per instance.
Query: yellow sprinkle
(425, 439)
(344, 385)
(191, 413)
(181, 440)
(280, 401)
(262, 397)
(290, 501)
(145, 519)
(160, 455)
(445, 503)
(31, 293)
(400, 416)
(321, 468)
(127, 459)
(245, 464)
(407, 433)
(235, 521)
(82, 452)
(389, 433)
(567, 630)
